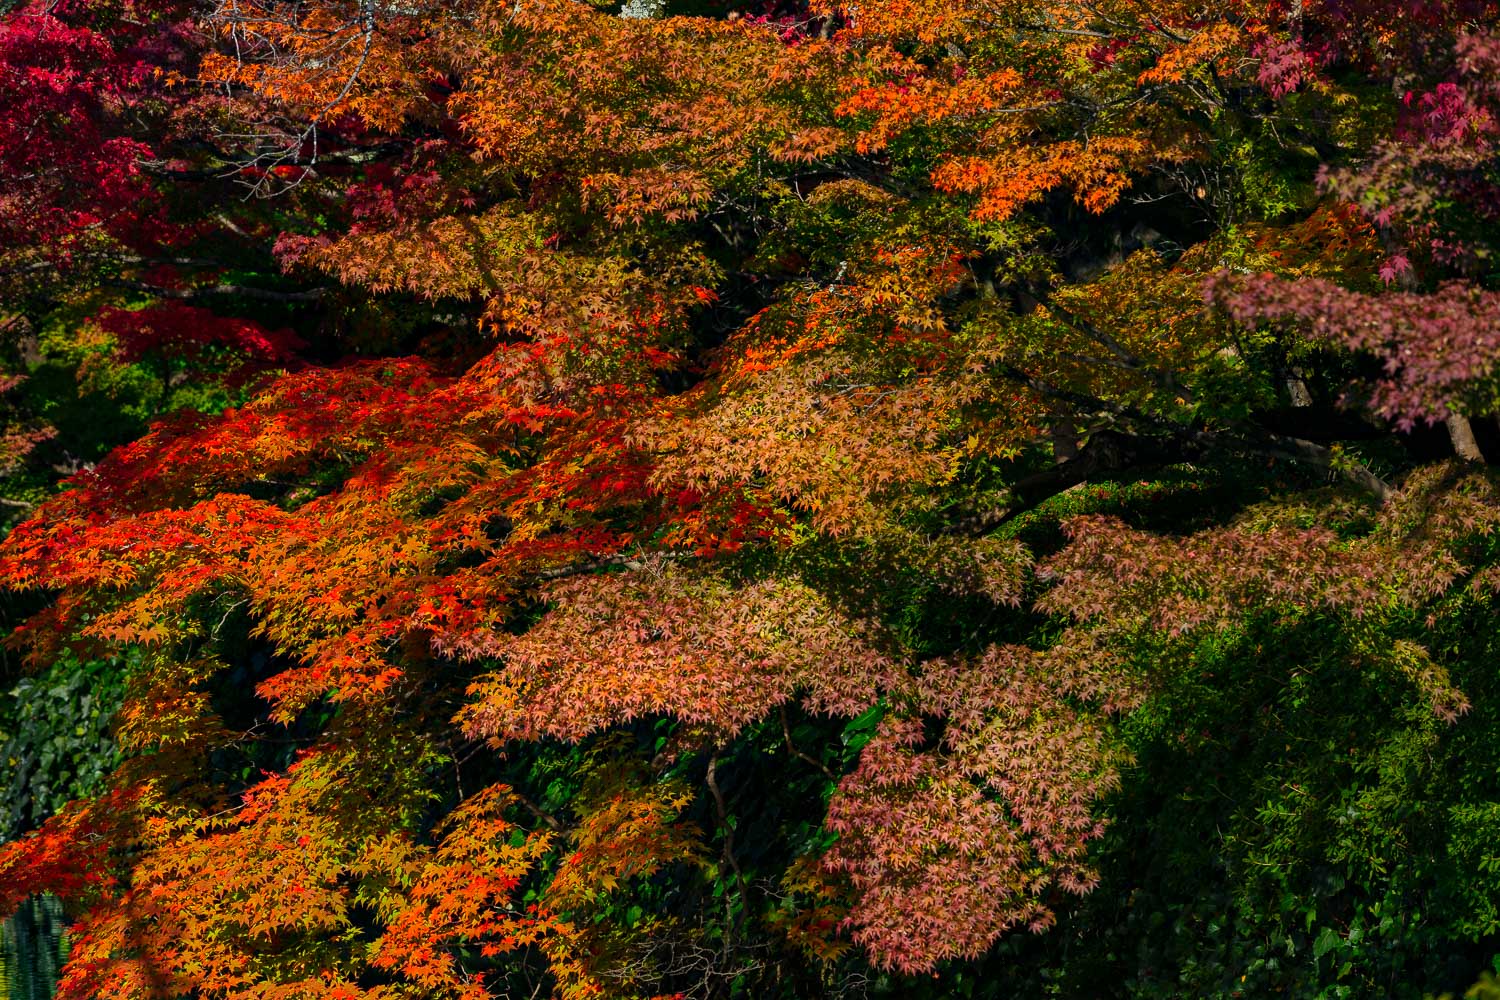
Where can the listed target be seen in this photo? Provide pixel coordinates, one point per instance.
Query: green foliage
(55, 737)
(1293, 825)
(742, 484)
(1487, 988)
(1272, 182)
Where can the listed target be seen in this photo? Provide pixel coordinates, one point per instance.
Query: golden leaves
(625, 428)
(464, 892)
(327, 59)
(627, 829)
(819, 438)
(1022, 98)
(662, 641)
(1212, 43)
(1098, 171)
(916, 98)
(670, 194)
(257, 903)
(616, 99)
(927, 21)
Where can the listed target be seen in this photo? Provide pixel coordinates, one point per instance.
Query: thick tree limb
(229, 165)
(213, 291)
(1164, 443)
(128, 260)
(1461, 434)
(631, 561)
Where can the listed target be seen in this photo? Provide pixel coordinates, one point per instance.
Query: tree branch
(637, 561)
(1109, 452)
(211, 291)
(1124, 357)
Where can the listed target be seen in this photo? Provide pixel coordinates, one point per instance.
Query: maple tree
(613, 513)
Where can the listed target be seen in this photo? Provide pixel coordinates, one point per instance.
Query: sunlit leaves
(742, 350)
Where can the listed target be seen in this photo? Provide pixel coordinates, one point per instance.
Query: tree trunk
(1064, 434)
(1297, 389)
(1461, 433)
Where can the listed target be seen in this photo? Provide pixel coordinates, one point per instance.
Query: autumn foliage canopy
(616, 505)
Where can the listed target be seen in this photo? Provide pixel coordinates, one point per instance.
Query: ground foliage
(901, 498)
